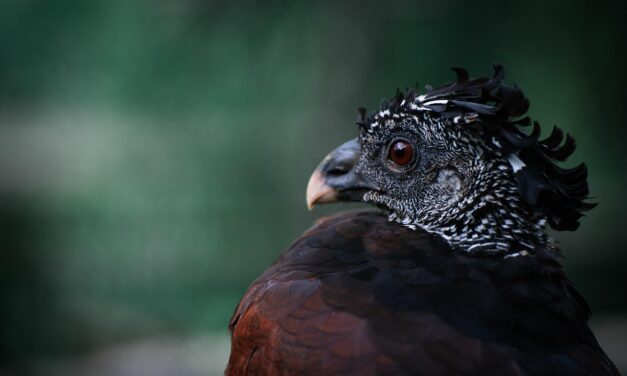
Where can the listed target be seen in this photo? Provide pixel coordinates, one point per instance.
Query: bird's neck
(492, 219)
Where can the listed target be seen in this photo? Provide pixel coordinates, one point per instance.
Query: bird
(451, 272)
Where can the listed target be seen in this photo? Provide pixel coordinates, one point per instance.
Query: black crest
(496, 111)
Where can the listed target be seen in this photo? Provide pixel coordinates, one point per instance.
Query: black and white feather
(493, 111)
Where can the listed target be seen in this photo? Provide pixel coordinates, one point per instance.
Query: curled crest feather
(496, 112)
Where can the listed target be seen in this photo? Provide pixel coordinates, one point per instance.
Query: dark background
(154, 154)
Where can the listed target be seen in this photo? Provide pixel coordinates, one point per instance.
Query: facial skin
(436, 177)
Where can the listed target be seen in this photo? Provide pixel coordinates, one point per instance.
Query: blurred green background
(154, 154)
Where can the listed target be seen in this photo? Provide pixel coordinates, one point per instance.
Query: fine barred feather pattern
(494, 112)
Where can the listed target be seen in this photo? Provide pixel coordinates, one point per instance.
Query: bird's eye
(401, 152)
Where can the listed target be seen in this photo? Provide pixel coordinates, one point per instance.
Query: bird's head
(455, 161)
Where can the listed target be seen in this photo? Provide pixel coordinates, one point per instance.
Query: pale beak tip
(318, 191)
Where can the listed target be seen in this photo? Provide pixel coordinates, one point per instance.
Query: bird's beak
(335, 178)
(318, 191)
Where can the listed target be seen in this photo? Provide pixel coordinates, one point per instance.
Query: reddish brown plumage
(358, 295)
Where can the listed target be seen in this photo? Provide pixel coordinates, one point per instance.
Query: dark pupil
(399, 150)
(401, 153)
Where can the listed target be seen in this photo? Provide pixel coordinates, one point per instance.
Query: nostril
(341, 160)
(337, 171)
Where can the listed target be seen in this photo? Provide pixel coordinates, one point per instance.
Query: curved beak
(335, 178)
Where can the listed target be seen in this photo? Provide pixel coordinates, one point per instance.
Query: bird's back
(358, 295)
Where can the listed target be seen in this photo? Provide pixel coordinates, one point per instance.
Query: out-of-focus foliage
(154, 154)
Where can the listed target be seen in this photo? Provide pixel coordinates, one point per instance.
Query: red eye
(401, 152)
